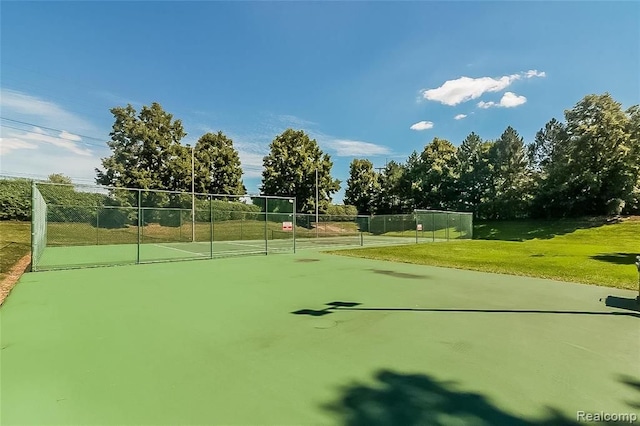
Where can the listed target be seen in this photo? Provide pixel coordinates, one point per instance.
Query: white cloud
(509, 100)
(11, 144)
(79, 168)
(294, 122)
(64, 140)
(463, 89)
(535, 73)
(422, 125)
(36, 151)
(70, 136)
(460, 116)
(251, 163)
(349, 148)
(485, 105)
(45, 113)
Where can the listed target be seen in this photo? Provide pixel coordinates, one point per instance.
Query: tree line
(147, 153)
(589, 164)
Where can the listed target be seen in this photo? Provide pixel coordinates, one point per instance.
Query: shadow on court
(418, 399)
(634, 384)
(354, 306)
(622, 303)
(398, 274)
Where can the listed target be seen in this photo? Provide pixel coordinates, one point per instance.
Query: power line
(57, 137)
(47, 128)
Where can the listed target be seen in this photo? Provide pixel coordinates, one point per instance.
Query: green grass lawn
(15, 242)
(579, 251)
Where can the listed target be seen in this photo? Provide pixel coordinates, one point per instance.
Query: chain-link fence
(81, 225)
(438, 225)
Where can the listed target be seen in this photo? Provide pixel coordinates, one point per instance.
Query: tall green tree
(548, 160)
(146, 151)
(217, 166)
(290, 170)
(633, 205)
(391, 199)
(433, 176)
(511, 189)
(475, 174)
(363, 186)
(593, 167)
(598, 132)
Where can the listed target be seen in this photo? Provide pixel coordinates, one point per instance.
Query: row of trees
(147, 153)
(587, 165)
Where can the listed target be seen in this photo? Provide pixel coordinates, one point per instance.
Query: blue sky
(370, 80)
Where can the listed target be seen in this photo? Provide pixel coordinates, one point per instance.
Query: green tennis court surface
(312, 338)
(65, 257)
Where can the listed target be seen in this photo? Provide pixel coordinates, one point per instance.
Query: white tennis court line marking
(177, 249)
(242, 244)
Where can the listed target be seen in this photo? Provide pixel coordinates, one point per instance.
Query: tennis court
(312, 338)
(65, 257)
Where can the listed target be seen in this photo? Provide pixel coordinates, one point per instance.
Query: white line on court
(184, 251)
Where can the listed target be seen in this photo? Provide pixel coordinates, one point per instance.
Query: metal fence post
(433, 227)
(97, 224)
(294, 222)
(446, 232)
(34, 266)
(140, 221)
(638, 265)
(211, 224)
(266, 237)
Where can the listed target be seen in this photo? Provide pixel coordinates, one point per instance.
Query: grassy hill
(594, 251)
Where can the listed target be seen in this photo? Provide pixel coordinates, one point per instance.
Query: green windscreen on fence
(92, 226)
(83, 226)
(436, 225)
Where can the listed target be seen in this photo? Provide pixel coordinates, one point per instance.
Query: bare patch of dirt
(12, 277)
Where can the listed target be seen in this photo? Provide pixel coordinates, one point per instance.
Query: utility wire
(86, 144)
(47, 128)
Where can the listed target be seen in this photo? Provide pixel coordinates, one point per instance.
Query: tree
(59, 178)
(593, 165)
(217, 166)
(290, 170)
(146, 151)
(363, 186)
(548, 160)
(390, 199)
(633, 206)
(433, 176)
(511, 192)
(475, 173)
(597, 128)
(546, 145)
